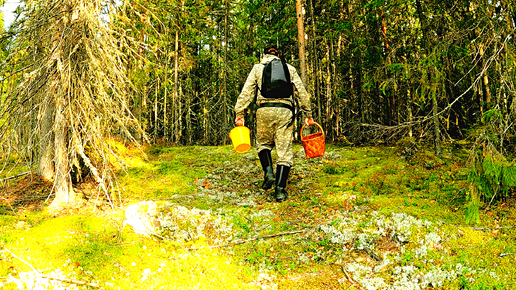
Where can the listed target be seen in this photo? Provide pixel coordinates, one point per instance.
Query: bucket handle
(302, 128)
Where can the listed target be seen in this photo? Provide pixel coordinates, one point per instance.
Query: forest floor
(196, 218)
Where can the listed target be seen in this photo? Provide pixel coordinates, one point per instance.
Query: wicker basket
(314, 143)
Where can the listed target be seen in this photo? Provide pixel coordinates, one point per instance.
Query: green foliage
(333, 168)
(1, 20)
(491, 115)
(472, 211)
(492, 176)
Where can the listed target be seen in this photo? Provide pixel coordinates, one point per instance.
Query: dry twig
(506, 254)
(353, 282)
(50, 277)
(253, 239)
(491, 229)
(15, 176)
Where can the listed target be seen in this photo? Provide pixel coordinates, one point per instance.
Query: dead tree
(68, 63)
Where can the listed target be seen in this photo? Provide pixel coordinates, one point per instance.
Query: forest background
(76, 75)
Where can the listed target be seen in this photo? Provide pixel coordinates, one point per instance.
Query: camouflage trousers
(273, 131)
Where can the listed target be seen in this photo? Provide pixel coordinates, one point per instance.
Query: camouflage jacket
(253, 85)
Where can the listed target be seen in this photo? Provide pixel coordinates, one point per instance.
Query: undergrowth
(359, 218)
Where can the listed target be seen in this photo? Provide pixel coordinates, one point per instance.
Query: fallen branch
(489, 229)
(481, 228)
(253, 239)
(371, 254)
(14, 176)
(177, 196)
(506, 254)
(259, 238)
(353, 282)
(70, 281)
(25, 262)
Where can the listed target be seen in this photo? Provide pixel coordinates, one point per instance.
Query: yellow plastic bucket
(241, 138)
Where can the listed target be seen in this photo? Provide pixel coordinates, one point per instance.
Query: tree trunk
(335, 108)
(165, 113)
(357, 74)
(64, 194)
(316, 64)
(432, 83)
(485, 80)
(435, 119)
(409, 113)
(205, 119)
(46, 163)
(301, 40)
(156, 119)
(385, 39)
(175, 95)
(180, 112)
(189, 119)
(225, 113)
(329, 89)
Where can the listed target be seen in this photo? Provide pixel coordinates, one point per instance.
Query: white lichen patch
(140, 216)
(178, 223)
(34, 280)
(413, 239)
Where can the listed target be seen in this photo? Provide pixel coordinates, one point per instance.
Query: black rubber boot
(268, 172)
(282, 172)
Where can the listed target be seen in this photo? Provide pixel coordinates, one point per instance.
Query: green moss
(161, 176)
(7, 220)
(350, 182)
(93, 249)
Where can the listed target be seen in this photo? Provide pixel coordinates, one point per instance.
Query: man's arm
(302, 96)
(247, 95)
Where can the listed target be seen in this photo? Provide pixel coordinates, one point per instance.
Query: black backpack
(276, 80)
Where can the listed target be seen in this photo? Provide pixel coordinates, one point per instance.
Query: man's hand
(239, 121)
(309, 121)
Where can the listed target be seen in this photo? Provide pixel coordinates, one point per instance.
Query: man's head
(271, 49)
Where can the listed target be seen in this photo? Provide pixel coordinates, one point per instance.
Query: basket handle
(302, 128)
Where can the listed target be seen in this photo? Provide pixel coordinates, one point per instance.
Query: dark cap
(271, 49)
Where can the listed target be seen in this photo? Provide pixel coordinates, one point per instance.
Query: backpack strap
(287, 71)
(258, 86)
(262, 80)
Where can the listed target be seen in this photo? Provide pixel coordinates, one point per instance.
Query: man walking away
(280, 89)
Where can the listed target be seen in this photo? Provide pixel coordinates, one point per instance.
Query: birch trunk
(409, 113)
(175, 97)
